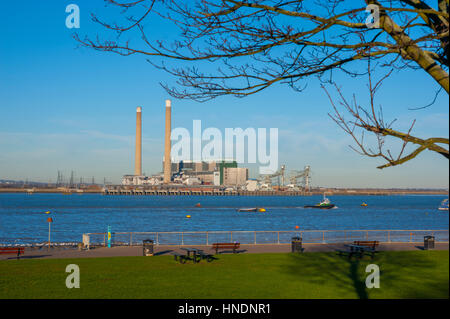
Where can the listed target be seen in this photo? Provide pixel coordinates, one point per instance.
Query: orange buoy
(296, 227)
(188, 216)
(198, 205)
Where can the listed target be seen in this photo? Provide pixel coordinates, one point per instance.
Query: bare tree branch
(254, 44)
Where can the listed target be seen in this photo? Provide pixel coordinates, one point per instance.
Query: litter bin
(147, 247)
(296, 245)
(428, 242)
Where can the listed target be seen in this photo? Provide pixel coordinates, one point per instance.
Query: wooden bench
(371, 246)
(12, 250)
(367, 243)
(233, 246)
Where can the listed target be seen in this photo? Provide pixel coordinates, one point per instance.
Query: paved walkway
(163, 250)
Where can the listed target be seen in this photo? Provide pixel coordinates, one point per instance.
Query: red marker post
(50, 221)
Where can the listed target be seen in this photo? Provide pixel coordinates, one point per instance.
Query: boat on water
(364, 205)
(444, 205)
(255, 209)
(324, 204)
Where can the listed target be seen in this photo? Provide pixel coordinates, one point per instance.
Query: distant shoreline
(330, 192)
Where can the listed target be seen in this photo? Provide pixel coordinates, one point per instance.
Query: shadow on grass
(330, 268)
(231, 251)
(413, 275)
(402, 274)
(164, 252)
(30, 257)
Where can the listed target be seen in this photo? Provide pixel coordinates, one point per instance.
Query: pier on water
(201, 192)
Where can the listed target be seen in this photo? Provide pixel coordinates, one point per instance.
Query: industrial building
(234, 176)
(217, 173)
(209, 172)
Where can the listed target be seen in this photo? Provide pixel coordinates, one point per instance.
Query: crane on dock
(301, 179)
(267, 179)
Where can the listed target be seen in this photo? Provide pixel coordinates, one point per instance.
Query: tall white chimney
(138, 154)
(167, 144)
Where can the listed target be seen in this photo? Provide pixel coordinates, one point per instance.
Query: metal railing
(266, 237)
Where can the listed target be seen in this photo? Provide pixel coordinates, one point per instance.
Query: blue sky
(69, 108)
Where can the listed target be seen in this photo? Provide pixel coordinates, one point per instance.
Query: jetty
(208, 190)
(200, 192)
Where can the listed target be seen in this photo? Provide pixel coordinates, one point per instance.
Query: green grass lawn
(409, 274)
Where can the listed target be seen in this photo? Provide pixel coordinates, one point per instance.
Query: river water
(22, 217)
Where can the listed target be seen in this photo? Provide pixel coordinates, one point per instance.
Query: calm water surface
(22, 218)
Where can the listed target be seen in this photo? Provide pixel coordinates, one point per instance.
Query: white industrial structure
(133, 180)
(298, 180)
(280, 173)
(301, 179)
(252, 185)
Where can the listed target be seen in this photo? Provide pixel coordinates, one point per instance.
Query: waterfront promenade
(127, 251)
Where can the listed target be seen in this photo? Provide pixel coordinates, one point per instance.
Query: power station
(215, 173)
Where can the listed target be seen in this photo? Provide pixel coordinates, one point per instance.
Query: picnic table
(358, 250)
(196, 253)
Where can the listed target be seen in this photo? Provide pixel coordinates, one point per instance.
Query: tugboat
(324, 204)
(444, 205)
